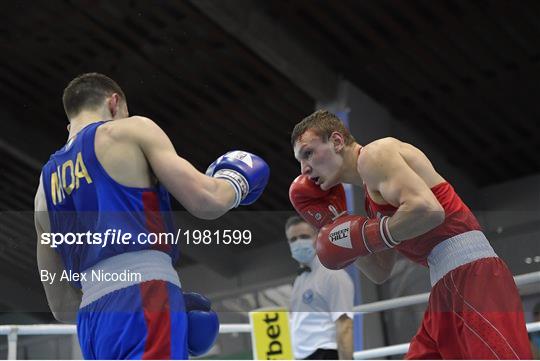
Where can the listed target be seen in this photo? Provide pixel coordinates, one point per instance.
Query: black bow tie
(302, 269)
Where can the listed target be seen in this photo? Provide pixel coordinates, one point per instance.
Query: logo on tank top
(67, 178)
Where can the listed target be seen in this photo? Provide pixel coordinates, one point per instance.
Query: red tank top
(458, 219)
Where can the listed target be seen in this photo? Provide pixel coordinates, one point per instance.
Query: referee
(321, 301)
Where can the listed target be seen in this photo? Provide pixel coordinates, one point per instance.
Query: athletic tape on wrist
(238, 181)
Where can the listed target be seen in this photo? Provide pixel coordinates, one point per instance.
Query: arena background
(459, 79)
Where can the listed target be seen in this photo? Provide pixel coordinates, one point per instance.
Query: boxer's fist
(247, 173)
(339, 243)
(203, 324)
(316, 206)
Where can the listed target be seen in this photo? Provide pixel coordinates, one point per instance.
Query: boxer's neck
(85, 118)
(350, 161)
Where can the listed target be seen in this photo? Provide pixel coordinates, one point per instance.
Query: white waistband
(124, 270)
(457, 251)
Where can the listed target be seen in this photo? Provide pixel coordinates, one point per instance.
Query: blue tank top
(82, 197)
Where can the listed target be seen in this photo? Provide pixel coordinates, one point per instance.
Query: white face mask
(302, 250)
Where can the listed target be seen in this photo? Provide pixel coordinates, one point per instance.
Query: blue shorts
(143, 321)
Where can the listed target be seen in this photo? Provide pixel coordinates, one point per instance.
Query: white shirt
(318, 299)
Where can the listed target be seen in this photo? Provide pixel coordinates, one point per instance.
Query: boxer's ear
(337, 141)
(113, 104)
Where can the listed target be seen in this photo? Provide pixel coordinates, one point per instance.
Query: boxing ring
(13, 331)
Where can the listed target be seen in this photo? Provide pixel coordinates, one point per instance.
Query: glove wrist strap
(238, 181)
(376, 235)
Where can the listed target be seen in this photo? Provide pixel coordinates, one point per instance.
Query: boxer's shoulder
(118, 151)
(375, 155)
(132, 132)
(381, 146)
(126, 128)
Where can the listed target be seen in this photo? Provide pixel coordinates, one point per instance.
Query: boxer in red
(474, 311)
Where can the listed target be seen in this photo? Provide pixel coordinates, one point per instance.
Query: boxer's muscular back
(120, 156)
(413, 157)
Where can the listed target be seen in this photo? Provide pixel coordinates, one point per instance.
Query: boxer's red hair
(323, 123)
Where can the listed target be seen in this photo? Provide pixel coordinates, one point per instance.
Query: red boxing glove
(316, 206)
(349, 237)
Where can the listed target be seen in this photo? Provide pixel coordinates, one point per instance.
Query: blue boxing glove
(247, 173)
(203, 324)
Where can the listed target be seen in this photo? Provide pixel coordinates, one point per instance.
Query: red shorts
(474, 312)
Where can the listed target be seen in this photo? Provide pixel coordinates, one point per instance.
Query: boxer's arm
(383, 169)
(203, 196)
(63, 299)
(377, 266)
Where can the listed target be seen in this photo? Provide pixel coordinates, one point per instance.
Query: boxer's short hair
(88, 91)
(323, 123)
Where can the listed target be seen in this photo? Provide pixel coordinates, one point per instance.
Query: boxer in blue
(115, 173)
